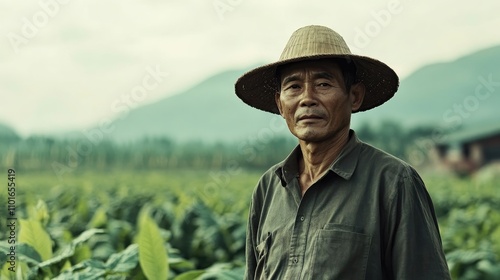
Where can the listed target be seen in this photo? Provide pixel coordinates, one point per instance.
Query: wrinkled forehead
(321, 65)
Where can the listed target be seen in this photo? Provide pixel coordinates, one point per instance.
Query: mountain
(209, 111)
(7, 133)
(448, 94)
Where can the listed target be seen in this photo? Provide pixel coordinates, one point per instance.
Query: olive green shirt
(368, 217)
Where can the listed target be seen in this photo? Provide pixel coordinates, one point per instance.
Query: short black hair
(347, 67)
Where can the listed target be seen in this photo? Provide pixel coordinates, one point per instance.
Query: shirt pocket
(262, 250)
(340, 253)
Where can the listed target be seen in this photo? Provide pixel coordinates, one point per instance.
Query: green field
(128, 224)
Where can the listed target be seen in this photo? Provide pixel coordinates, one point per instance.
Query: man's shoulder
(393, 176)
(374, 158)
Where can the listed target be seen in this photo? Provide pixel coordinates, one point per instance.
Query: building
(470, 148)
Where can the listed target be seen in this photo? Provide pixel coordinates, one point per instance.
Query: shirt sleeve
(251, 261)
(414, 249)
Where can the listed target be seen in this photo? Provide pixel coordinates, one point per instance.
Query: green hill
(209, 111)
(446, 94)
(7, 134)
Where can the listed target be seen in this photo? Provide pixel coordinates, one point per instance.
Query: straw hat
(258, 86)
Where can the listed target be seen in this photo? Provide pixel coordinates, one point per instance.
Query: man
(335, 208)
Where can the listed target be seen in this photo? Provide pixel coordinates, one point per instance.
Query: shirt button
(302, 218)
(295, 260)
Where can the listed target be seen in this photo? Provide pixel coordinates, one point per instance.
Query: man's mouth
(310, 117)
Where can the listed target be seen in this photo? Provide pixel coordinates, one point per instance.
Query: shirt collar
(344, 165)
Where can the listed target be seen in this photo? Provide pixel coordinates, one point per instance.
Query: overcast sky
(63, 64)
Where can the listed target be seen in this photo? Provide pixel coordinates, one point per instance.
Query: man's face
(313, 100)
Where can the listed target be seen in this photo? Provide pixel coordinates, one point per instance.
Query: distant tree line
(63, 155)
(404, 143)
(46, 153)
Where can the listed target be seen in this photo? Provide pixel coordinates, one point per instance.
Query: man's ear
(357, 95)
(278, 103)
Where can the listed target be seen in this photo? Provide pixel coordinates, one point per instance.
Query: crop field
(187, 224)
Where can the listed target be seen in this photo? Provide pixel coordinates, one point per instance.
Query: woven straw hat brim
(258, 87)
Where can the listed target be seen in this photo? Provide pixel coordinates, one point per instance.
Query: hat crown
(314, 40)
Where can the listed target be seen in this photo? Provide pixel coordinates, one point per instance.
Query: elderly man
(335, 208)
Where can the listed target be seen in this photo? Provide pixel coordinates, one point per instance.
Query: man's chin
(310, 135)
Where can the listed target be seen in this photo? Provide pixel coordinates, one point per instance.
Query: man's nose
(308, 96)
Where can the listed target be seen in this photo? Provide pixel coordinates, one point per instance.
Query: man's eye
(293, 86)
(324, 85)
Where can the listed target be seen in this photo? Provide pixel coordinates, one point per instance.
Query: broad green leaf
(86, 235)
(28, 254)
(190, 275)
(82, 252)
(224, 271)
(8, 273)
(32, 233)
(86, 274)
(62, 255)
(69, 250)
(99, 219)
(24, 252)
(89, 270)
(180, 264)
(125, 260)
(4, 250)
(152, 253)
(19, 270)
(66, 266)
(4, 245)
